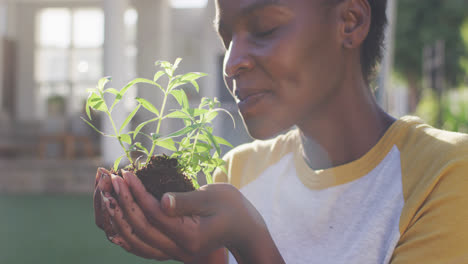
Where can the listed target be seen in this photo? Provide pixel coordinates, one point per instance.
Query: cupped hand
(184, 226)
(102, 190)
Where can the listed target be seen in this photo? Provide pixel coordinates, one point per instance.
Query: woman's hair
(372, 48)
(373, 45)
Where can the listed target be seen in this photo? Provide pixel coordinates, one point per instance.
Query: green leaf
(195, 84)
(212, 140)
(194, 112)
(149, 106)
(91, 125)
(203, 138)
(92, 90)
(136, 81)
(176, 82)
(155, 136)
(208, 117)
(96, 102)
(117, 162)
(209, 129)
(178, 114)
(204, 102)
(129, 118)
(192, 76)
(195, 183)
(167, 143)
(184, 143)
(208, 177)
(93, 97)
(141, 147)
(181, 98)
(112, 91)
(202, 147)
(176, 64)
(87, 108)
(102, 82)
(184, 131)
(222, 141)
(166, 66)
(157, 76)
(140, 126)
(126, 138)
(100, 106)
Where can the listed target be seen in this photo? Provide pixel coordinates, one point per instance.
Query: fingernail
(108, 206)
(115, 184)
(171, 200)
(105, 194)
(116, 241)
(103, 172)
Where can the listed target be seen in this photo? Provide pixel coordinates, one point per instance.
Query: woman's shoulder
(431, 158)
(419, 139)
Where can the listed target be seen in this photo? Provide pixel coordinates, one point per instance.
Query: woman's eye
(265, 33)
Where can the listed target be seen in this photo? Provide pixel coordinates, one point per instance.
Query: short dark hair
(373, 45)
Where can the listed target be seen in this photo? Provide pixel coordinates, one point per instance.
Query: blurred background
(51, 51)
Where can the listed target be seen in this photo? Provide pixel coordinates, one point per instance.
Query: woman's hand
(102, 189)
(187, 226)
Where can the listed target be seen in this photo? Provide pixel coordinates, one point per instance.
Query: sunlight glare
(188, 3)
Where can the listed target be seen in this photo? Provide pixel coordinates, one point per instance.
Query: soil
(161, 175)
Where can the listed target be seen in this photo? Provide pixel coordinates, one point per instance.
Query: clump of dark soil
(162, 175)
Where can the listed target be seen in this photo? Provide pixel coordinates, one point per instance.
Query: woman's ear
(356, 20)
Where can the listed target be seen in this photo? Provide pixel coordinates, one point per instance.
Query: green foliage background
(421, 22)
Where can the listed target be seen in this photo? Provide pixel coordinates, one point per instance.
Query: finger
(208, 222)
(134, 244)
(145, 200)
(150, 206)
(119, 241)
(141, 227)
(185, 231)
(105, 183)
(99, 173)
(104, 186)
(103, 219)
(186, 204)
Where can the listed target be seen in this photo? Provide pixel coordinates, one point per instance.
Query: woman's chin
(260, 129)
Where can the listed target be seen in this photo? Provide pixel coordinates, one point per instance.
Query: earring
(348, 43)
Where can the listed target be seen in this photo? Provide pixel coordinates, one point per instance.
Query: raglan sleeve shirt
(406, 201)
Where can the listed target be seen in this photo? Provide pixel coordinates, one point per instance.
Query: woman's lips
(249, 102)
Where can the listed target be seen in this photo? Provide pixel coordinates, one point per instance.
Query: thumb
(185, 204)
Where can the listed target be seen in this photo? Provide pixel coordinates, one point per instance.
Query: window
(69, 50)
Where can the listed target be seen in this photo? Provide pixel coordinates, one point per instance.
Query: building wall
(164, 33)
(2, 37)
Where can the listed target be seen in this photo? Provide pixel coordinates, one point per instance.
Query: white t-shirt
(405, 201)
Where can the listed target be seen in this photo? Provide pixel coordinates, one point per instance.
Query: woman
(350, 184)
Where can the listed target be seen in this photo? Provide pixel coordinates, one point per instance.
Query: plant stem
(127, 153)
(194, 145)
(161, 115)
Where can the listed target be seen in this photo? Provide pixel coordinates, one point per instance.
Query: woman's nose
(237, 58)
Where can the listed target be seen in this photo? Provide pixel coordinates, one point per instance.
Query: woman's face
(283, 60)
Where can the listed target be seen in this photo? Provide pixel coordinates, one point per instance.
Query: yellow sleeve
(437, 232)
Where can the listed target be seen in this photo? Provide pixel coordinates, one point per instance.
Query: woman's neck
(344, 130)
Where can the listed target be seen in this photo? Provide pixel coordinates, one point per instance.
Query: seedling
(194, 146)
